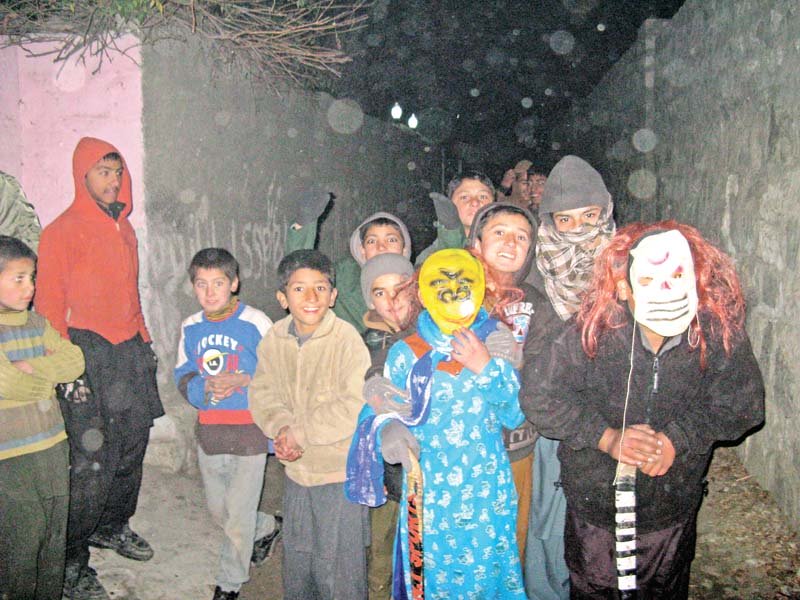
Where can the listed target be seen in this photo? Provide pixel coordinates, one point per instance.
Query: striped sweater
(30, 419)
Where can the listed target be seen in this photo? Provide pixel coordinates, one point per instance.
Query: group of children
(628, 346)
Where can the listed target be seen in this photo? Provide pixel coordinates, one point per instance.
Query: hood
(487, 211)
(355, 239)
(573, 183)
(87, 153)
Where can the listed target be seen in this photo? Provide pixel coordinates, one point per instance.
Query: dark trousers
(33, 521)
(324, 544)
(663, 560)
(108, 415)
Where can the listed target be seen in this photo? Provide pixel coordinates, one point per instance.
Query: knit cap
(573, 183)
(382, 264)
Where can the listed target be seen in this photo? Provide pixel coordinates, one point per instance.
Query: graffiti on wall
(254, 234)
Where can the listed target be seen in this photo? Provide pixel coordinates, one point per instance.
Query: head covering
(382, 264)
(357, 248)
(451, 288)
(663, 283)
(573, 183)
(88, 153)
(566, 259)
(484, 214)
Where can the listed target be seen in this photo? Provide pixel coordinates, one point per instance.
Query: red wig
(718, 290)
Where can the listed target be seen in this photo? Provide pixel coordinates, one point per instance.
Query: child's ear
(282, 300)
(235, 285)
(623, 290)
(334, 293)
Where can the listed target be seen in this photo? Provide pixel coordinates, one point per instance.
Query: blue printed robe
(469, 501)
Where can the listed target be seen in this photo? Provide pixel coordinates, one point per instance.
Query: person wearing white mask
(655, 369)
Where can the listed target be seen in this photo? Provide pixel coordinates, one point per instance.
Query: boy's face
(573, 220)
(103, 181)
(505, 241)
(308, 297)
(382, 239)
(17, 284)
(536, 183)
(213, 289)
(468, 198)
(391, 305)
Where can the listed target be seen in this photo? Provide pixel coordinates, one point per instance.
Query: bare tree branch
(297, 40)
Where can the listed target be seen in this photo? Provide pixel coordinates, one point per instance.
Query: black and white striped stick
(625, 531)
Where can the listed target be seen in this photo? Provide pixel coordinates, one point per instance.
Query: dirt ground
(746, 549)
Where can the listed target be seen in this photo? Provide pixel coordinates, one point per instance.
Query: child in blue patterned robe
(469, 501)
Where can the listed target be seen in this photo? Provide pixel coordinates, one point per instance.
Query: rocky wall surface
(226, 160)
(699, 122)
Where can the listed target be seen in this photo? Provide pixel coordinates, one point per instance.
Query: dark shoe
(220, 595)
(81, 583)
(126, 543)
(263, 547)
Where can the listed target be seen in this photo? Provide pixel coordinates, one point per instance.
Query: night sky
(497, 74)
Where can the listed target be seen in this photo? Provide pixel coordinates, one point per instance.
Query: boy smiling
(306, 395)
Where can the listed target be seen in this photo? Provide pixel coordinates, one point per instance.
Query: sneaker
(220, 595)
(263, 547)
(126, 543)
(81, 583)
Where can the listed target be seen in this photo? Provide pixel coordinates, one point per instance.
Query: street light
(397, 111)
(412, 121)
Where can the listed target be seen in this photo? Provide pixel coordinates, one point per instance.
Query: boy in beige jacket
(306, 395)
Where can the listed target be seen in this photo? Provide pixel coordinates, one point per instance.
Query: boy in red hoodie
(87, 288)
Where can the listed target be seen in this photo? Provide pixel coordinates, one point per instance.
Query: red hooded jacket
(88, 268)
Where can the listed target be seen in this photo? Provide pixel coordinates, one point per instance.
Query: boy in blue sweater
(216, 359)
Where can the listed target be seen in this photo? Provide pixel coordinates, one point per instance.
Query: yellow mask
(451, 287)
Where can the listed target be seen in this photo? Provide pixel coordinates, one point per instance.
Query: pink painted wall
(45, 108)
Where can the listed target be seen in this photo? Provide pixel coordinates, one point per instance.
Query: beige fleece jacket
(315, 389)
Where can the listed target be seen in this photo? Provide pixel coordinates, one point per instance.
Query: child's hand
(663, 461)
(469, 350)
(23, 366)
(637, 445)
(225, 384)
(379, 392)
(286, 447)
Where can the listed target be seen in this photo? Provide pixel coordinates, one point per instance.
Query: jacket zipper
(654, 390)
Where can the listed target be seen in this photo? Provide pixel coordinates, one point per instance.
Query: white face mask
(663, 283)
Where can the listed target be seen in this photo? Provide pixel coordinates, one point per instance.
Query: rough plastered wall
(227, 158)
(700, 122)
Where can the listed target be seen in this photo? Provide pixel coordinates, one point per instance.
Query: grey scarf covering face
(566, 260)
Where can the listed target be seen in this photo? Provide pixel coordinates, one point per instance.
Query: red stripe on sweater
(225, 417)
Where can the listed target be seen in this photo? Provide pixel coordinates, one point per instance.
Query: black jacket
(573, 398)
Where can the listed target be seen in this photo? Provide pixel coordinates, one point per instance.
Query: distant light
(601, 27)
(549, 92)
(412, 121)
(474, 92)
(397, 111)
(527, 102)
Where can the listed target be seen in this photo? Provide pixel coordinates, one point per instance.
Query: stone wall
(226, 158)
(699, 122)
